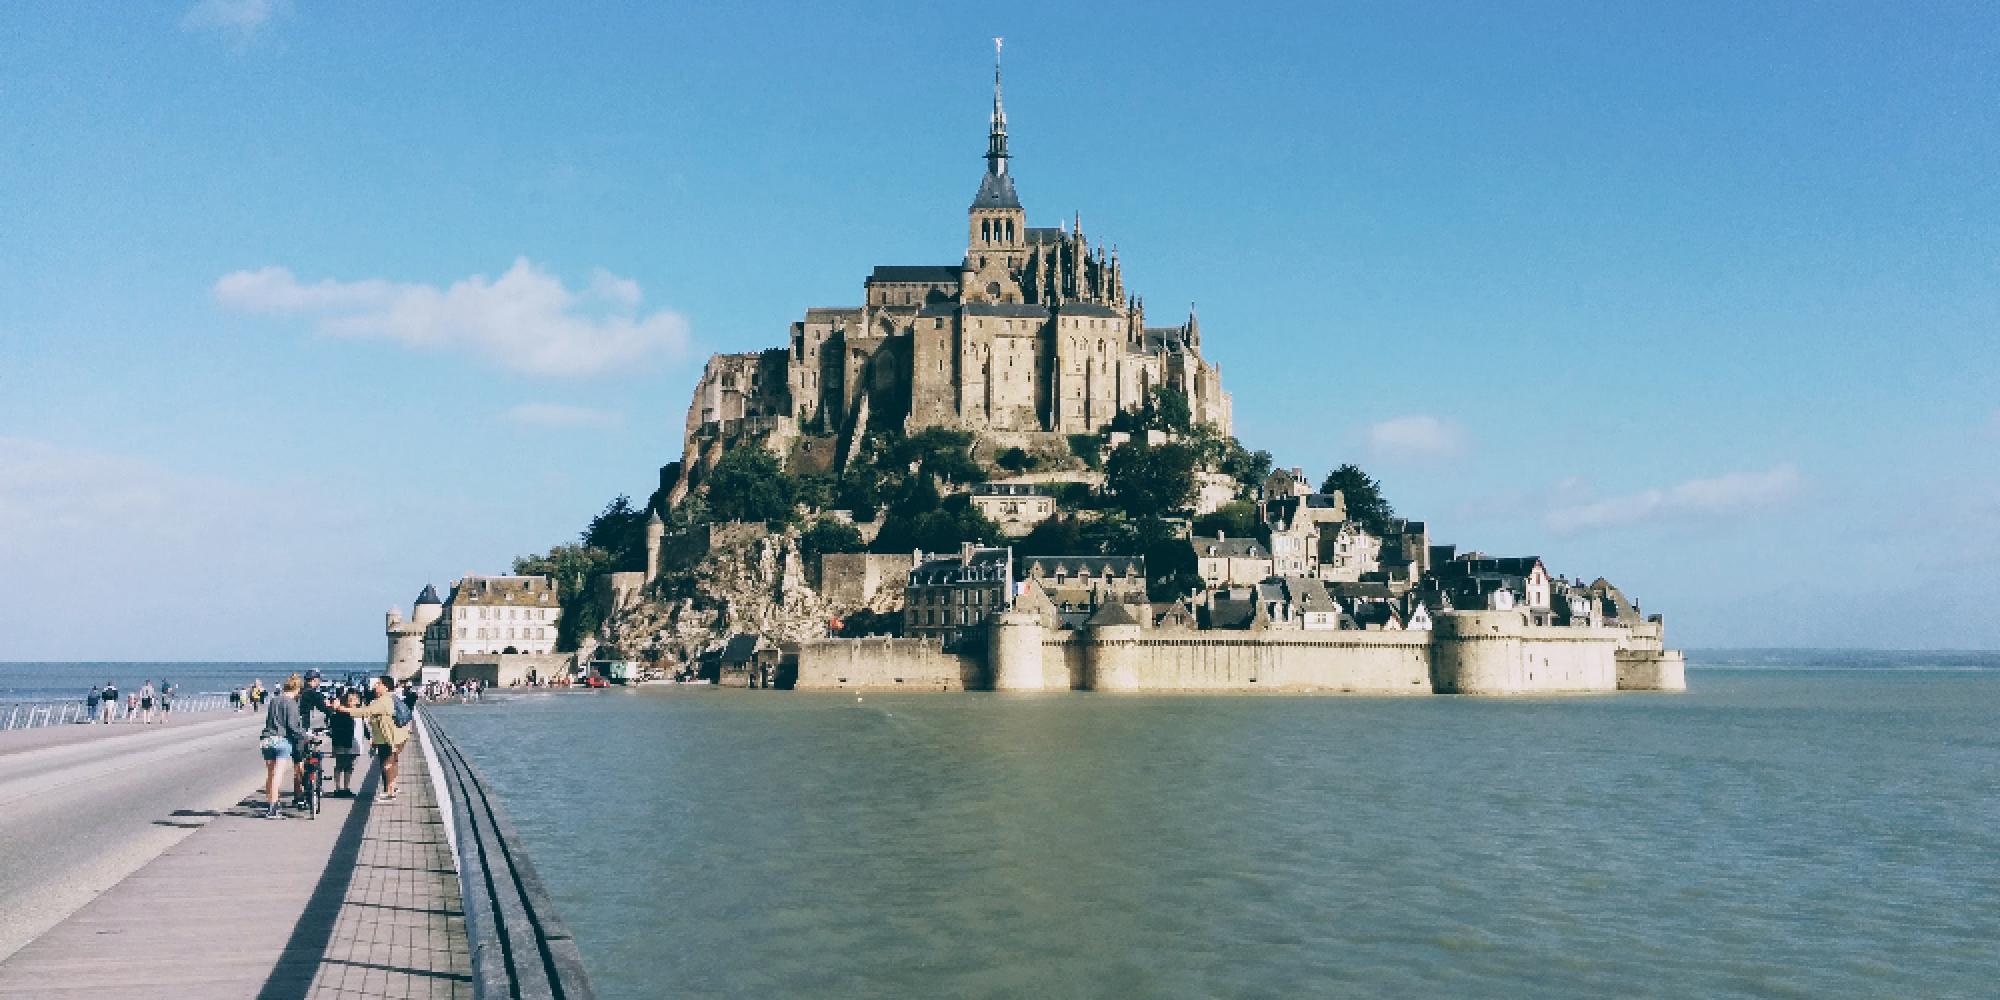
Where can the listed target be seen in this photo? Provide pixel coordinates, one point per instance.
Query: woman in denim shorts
(283, 732)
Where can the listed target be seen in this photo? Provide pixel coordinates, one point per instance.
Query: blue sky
(303, 305)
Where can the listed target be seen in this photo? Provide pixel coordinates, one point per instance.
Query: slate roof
(514, 590)
(1087, 309)
(1011, 310)
(429, 596)
(1094, 566)
(1228, 548)
(930, 274)
(987, 565)
(1045, 234)
(1365, 615)
(742, 648)
(831, 313)
(1008, 490)
(1114, 613)
(1361, 591)
(1309, 594)
(996, 191)
(1232, 613)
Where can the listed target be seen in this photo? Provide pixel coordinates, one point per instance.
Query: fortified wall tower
(1471, 652)
(406, 638)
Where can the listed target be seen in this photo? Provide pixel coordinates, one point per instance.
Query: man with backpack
(388, 720)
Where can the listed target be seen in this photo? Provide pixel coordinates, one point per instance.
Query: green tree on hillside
(1151, 481)
(570, 567)
(749, 485)
(1165, 408)
(1365, 503)
(826, 535)
(1061, 535)
(1015, 460)
(620, 531)
(1172, 569)
(1237, 519)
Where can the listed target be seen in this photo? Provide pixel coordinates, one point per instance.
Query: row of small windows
(996, 229)
(494, 633)
(968, 596)
(944, 618)
(532, 614)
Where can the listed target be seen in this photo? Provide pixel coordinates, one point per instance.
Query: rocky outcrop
(753, 585)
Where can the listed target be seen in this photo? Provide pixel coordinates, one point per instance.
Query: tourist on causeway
(386, 735)
(348, 742)
(283, 732)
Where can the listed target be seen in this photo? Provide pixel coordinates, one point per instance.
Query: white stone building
(494, 614)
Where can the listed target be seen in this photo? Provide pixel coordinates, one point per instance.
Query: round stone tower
(427, 609)
(1477, 652)
(656, 536)
(1113, 657)
(1014, 651)
(406, 638)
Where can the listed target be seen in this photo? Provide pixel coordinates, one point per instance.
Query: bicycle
(312, 776)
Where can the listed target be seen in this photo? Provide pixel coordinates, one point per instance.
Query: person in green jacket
(385, 737)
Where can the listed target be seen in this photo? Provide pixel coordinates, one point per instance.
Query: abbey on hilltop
(1032, 333)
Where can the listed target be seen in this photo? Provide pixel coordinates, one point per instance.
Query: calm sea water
(26, 681)
(1773, 833)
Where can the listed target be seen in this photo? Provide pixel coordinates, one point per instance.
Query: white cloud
(526, 320)
(1725, 495)
(1415, 437)
(560, 415)
(240, 18)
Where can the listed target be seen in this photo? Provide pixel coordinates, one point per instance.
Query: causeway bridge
(138, 865)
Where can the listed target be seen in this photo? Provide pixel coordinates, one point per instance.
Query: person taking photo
(386, 737)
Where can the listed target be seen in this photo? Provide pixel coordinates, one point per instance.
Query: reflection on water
(1769, 834)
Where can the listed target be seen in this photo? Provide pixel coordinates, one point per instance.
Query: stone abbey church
(1031, 335)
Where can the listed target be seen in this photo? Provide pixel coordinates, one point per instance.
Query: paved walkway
(22, 740)
(361, 902)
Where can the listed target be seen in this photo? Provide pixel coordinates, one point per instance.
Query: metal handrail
(35, 714)
(518, 944)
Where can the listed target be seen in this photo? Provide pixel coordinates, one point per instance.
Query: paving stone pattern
(401, 928)
(361, 902)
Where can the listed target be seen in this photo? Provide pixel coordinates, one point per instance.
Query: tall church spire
(996, 189)
(996, 140)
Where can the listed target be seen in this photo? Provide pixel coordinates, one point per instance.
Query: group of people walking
(351, 721)
(147, 705)
(248, 698)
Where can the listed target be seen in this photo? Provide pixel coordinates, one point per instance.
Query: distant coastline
(1833, 658)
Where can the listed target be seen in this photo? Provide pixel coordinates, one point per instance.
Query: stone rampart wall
(1649, 670)
(1497, 652)
(899, 664)
(1468, 653)
(1190, 660)
(508, 669)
